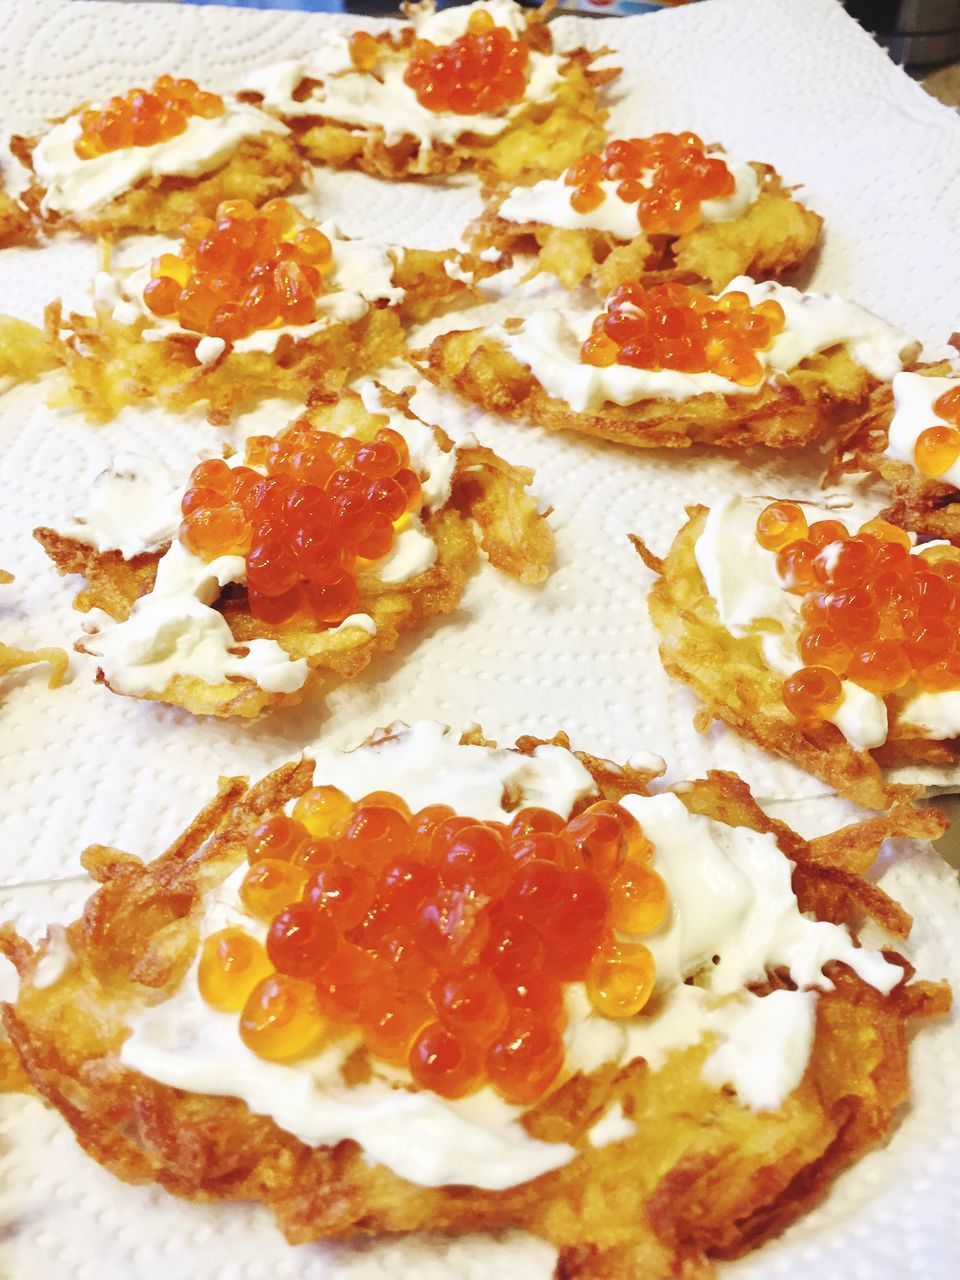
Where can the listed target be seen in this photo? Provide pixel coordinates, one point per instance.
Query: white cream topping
(548, 202)
(433, 465)
(413, 553)
(74, 185)
(742, 578)
(381, 99)
(730, 898)
(362, 273)
(174, 631)
(913, 398)
(548, 343)
(134, 507)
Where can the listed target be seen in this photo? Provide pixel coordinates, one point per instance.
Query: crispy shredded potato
(262, 166)
(11, 658)
(539, 141)
(730, 676)
(717, 1180)
(16, 223)
(918, 503)
(813, 400)
(774, 235)
(25, 351)
(489, 505)
(108, 365)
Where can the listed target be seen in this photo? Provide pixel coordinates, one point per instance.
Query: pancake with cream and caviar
(152, 159)
(477, 87)
(910, 438)
(435, 985)
(833, 647)
(11, 659)
(669, 366)
(302, 558)
(257, 303)
(653, 209)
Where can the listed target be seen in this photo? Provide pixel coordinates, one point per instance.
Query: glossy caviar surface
(872, 612)
(144, 117)
(667, 176)
(671, 326)
(483, 70)
(445, 941)
(938, 448)
(315, 506)
(244, 270)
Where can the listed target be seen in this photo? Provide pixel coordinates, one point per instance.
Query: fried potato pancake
(260, 167)
(813, 400)
(108, 365)
(489, 506)
(25, 351)
(774, 235)
(717, 1180)
(734, 683)
(11, 658)
(918, 503)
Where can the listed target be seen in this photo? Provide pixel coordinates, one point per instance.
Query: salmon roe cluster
(316, 504)
(667, 176)
(247, 269)
(481, 71)
(144, 117)
(938, 448)
(872, 612)
(444, 940)
(671, 326)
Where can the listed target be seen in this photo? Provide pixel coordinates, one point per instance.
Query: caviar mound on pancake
(833, 647)
(11, 659)
(910, 437)
(502, 950)
(668, 366)
(254, 303)
(652, 209)
(305, 556)
(151, 159)
(478, 87)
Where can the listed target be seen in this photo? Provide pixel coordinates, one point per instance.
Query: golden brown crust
(16, 223)
(262, 166)
(11, 658)
(25, 350)
(540, 141)
(489, 505)
(718, 1180)
(108, 365)
(813, 400)
(773, 236)
(924, 506)
(734, 684)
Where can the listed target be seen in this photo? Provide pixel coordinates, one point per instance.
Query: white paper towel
(794, 83)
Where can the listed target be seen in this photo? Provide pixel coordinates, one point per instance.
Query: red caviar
(323, 502)
(872, 613)
(245, 269)
(671, 326)
(444, 940)
(667, 176)
(483, 70)
(143, 117)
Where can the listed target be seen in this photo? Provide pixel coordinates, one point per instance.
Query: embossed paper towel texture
(794, 83)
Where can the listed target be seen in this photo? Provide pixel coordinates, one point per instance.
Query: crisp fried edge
(733, 683)
(615, 1212)
(262, 166)
(16, 223)
(489, 506)
(813, 400)
(773, 236)
(921, 505)
(11, 658)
